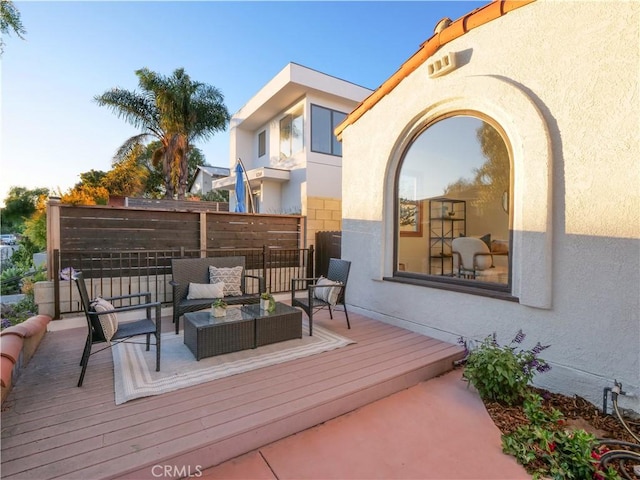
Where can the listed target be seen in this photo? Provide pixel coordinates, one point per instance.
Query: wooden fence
(116, 242)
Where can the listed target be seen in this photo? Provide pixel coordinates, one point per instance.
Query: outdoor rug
(135, 368)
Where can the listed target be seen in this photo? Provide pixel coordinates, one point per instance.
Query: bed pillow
(205, 290)
(327, 294)
(230, 276)
(109, 321)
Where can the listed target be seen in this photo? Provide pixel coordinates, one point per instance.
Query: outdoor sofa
(189, 271)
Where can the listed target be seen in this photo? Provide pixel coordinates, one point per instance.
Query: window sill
(497, 292)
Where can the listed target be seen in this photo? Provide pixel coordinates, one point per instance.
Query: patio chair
(103, 325)
(323, 292)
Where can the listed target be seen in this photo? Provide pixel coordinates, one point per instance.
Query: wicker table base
(241, 329)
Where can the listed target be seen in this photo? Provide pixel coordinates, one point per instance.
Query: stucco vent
(441, 65)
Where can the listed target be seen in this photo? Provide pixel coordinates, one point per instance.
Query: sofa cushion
(109, 321)
(230, 276)
(205, 290)
(326, 293)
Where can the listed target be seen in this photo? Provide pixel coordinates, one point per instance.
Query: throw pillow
(205, 290)
(486, 239)
(500, 246)
(327, 293)
(230, 276)
(109, 321)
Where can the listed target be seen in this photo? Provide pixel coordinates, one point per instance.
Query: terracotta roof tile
(474, 19)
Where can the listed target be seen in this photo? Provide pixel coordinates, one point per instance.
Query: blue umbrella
(240, 207)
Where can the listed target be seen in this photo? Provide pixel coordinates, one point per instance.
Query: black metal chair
(125, 330)
(338, 272)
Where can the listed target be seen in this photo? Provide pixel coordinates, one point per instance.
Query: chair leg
(310, 315)
(87, 349)
(330, 312)
(148, 341)
(346, 315)
(176, 320)
(157, 351)
(85, 362)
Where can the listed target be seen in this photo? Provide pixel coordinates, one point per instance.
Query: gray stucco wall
(561, 78)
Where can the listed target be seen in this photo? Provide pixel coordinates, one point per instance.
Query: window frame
(494, 290)
(335, 144)
(262, 143)
(291, 117)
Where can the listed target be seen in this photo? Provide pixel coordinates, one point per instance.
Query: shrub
(502, 373)
(546, 450)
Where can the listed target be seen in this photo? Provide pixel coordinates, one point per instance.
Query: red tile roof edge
(474, 19)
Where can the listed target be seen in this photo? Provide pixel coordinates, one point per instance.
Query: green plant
(502, 373)
(272, 301)
(219, 303)
(546, 450)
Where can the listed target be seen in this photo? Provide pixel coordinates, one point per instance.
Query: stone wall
(323, 215)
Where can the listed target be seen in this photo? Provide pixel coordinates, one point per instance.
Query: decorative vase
(219, 311)
(264, 304)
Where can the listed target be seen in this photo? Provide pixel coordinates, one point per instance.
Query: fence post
(203, 234)
(56, 284)
(53, 234)
(265, 252)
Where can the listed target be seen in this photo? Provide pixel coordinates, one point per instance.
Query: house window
(262, 143)
(291, 134)
(452, 195)
(323, 123)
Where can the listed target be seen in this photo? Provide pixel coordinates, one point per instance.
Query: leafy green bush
(546, 450)
(502, 373)
(9, 279)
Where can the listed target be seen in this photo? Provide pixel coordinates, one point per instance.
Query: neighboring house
(284, 137)
(518, 122)
(204, 176)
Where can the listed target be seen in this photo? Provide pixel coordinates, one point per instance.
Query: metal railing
(110, 273)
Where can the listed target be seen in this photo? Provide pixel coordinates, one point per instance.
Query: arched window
(453, 191)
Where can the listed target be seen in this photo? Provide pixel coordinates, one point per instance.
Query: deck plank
(81, 433)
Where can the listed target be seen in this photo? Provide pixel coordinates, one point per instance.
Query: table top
(204, 318)
(281, 309)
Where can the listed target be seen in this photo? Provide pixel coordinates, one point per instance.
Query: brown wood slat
(80, 433)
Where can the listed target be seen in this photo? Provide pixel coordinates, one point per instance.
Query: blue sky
(52, 130)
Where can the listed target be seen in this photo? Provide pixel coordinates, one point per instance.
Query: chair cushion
(205, 290)
(230, 276)
(327, 294)
(108, 322)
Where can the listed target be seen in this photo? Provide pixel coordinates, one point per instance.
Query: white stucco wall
(294, 87)
(561, 78)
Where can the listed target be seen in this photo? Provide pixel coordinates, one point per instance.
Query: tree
(92, 178)
(86, 195)
(20, 204)
(127, 178)
(154, 187)
(9, 21)
(174, 110)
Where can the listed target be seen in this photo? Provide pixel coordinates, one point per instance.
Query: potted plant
(219, 308)
(267, 302)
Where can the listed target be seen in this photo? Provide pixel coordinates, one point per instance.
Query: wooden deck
(52, 429)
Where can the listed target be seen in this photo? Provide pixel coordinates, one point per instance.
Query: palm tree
(9, 21)
(176, 111)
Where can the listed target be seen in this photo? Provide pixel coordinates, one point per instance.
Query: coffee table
(242, 328)
(284, 323)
